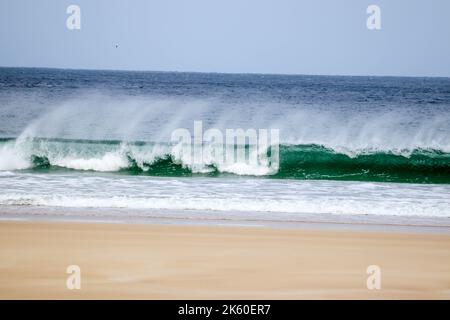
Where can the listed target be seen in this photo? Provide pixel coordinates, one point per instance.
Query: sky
(234, 36)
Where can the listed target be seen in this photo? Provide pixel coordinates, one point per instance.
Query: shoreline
(230, 223)
(363, 223)
(173, 261)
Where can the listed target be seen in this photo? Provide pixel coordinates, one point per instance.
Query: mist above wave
(344, 129)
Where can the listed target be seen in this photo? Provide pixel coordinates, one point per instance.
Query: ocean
(97, 145)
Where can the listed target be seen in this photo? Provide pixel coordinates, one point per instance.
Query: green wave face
(296, 161)
(316, 162)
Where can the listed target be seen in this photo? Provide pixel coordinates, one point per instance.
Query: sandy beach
(209, 262)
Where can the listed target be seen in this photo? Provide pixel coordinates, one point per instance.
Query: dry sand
(208, 262)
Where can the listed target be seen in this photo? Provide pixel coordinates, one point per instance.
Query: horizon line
(227, 73)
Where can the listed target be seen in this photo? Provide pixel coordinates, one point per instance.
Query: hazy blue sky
(262, 36)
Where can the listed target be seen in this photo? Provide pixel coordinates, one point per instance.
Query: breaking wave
(305, 161)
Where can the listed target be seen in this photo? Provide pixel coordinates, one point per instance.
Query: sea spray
(82, 140)
(164, 159)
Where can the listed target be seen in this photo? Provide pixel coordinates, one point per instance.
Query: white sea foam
(226, 195)
(12, 158)
(110, 158)
(107, 163)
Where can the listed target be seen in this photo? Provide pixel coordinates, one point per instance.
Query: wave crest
(296, 161)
